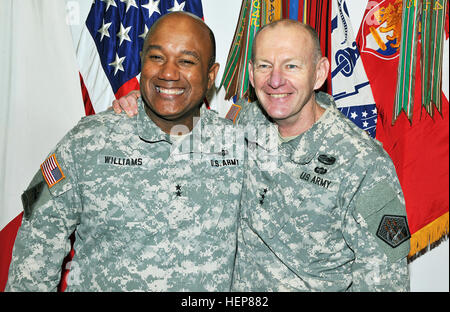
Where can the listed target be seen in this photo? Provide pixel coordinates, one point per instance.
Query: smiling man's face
(284, 71)
(175, 72)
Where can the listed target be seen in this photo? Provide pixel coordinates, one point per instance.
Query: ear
(250, 73)
(212, 74)
(322, 68)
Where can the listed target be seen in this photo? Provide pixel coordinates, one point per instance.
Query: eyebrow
(191, 53)
(289, 60)
(158, 47)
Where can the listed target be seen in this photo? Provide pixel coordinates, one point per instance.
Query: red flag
(7, 237)
(418, 147)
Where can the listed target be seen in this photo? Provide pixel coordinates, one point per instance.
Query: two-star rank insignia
(263, 196)
(178, 192)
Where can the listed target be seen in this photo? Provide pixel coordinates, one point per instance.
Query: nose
(276, 78)
(169, 71)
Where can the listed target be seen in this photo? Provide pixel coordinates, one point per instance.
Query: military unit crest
(393, 230)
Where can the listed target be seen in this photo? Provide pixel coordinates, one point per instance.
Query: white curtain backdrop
(41, 97)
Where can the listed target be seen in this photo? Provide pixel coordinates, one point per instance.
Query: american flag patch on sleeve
(52, 171)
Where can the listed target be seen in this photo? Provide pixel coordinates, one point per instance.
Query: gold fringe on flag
(428, 237)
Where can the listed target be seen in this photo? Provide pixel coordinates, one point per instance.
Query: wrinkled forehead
(294, 31)
(281, 36)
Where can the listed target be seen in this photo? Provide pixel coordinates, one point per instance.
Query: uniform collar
(257, 127)
(151, 133)
(147, 129)
(305, 148)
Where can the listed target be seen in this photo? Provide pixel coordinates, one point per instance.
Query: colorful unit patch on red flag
(52, 171)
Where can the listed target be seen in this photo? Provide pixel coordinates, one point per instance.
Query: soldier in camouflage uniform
(330, 215)
(150, 211)
(322, 209)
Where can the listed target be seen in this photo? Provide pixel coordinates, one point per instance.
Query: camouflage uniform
(148, 216)
(329, 217)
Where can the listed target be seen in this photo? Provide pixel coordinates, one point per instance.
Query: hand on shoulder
(127, 103)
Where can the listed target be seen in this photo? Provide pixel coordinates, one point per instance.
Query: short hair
(288, 22)
(212, 38)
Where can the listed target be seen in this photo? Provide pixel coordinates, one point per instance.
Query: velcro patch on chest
(318, 180)
(120, 161)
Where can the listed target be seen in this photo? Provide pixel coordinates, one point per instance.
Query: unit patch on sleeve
(393, 230)
(51, 171)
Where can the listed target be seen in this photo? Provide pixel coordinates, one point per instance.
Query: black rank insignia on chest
(262, 196)
(178, 192)
(393, 230)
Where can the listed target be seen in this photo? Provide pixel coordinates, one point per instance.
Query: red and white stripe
(47, 167)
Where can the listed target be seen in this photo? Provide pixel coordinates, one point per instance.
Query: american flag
(119, 27)
(350, 86)
(364, 116)
(51, 171)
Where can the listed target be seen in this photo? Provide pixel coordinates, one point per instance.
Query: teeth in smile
(169, 91)
(279, 95)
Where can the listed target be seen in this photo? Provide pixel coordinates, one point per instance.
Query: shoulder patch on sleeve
(51, 170)
(386, 219)
(39, 191)
(29, 198)
(393, 230)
